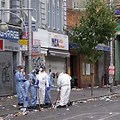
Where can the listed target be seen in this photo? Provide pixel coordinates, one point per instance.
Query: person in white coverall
(43, 84)
(64, 83)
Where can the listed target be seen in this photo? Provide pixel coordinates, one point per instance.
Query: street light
(30, 37)
(4, 27)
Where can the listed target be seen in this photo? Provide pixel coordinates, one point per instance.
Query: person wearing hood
(26, 87)
(19, 80)
(33, 88)
(43, 85)
(48, 102)
(64, 84)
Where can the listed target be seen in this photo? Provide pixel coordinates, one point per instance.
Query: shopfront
(56, 60)
(54, 50)
(9, 47)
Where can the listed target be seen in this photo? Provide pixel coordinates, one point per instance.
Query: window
(53, 12)
(79, 4)
(86, 69)
(75, 5)
(48, 13)
(3, 4)
(58, 15)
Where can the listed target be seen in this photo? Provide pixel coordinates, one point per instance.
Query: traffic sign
(111, 70)
(35, 50)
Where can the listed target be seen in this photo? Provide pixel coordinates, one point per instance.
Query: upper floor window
(53, 12)
(75, 5)
(48, 13)
(3, 3)
(79, 4)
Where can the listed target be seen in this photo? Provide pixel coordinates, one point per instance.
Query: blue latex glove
(47, 88)
(37, 82)
(36, 86)
(24, 80)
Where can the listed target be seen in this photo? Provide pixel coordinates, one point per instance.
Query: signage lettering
(10, 34)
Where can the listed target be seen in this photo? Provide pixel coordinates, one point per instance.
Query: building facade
(54, 42)
(48, 25)
(9, 48)
(80, 68)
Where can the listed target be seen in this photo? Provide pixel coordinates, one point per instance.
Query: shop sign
(25, 35)
(36, 42)
(41, 36)
(117, 10)
(10, 35)
(111, 70)
(35, 50)
(11, 45)
(1, 45)
(23, 44)
(58, 41)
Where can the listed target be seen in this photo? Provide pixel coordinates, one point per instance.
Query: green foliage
(98, 25)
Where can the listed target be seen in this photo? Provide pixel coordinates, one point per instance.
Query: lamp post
(30, 37)
(111, 67)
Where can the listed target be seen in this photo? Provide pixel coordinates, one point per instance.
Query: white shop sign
(10, 45)
(41, 37)
(58, 41)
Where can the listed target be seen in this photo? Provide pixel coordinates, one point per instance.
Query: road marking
(113, 114)
(110, 116)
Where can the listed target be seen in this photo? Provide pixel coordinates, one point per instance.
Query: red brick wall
(73, 17)
(69, 4)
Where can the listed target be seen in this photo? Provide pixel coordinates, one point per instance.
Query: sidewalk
(8, 105)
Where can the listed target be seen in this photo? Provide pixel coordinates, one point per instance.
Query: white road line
(110, 116)
(114, 114)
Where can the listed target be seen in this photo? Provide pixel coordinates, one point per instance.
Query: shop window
(86, 69)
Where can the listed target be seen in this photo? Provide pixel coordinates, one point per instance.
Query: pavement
(8, 104)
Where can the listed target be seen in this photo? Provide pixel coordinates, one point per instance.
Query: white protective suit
(43, 83)
(65, 84)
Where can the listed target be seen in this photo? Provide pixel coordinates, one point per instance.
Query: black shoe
(69, 103)
(20, 104)
(29, 108)
(61, 106)
(42, 105)
(48, 104)
(34, 107)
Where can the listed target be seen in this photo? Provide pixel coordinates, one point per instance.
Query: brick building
(80, 68)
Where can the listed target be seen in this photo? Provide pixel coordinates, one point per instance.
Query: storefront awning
(59, 53)
(103, 47)
(44, 51)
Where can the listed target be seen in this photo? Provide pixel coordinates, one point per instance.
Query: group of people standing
(35, 91)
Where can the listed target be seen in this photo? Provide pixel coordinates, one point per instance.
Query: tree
(96, 26)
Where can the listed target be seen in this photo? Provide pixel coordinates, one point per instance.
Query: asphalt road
(93, 109)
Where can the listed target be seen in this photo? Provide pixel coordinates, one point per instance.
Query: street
(103, 108)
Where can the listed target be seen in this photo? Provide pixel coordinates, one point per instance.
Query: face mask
(40, 69)
(22, 70)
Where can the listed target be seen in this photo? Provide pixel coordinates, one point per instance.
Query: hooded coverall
(19, 86)
(43, 83)
(26, 93)
(65, 85)
(47, 91)
(33, 88)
